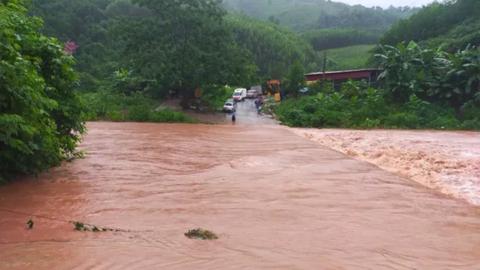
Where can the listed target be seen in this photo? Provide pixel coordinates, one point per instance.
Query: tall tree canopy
(274, 48)
(40, 115)
(183, 45)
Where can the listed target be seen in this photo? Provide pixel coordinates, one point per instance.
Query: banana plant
(431, 74)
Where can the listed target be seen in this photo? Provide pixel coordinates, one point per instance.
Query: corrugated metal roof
(342, 71)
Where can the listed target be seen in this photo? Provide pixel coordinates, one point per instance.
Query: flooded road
(246, 115)
(276, 201)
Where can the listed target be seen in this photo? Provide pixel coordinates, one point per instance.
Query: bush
(473, 124)
(358, 106)
(401, 120)
(169, 116)
(115, 116)
(139, 113)
(214, 96)
(118, 107)
(445, 122)
(471, 110)
(432, 74)
(40, 114)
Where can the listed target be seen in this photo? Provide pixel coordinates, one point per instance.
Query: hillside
(273, 47)
(264, 48)
(304, 15)
(452, 24)
(352, 57)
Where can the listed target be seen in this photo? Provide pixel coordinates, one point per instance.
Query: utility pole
(324, 68)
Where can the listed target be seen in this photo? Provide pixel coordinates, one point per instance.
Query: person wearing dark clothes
(234, 117)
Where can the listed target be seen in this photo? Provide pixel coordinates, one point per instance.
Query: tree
(40, 114)
(295, 79)
(183, 45)
(87, 23)
(273, 47)
(431, 74)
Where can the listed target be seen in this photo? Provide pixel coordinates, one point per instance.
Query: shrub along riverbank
(419, 88)
(122, 106)
(136, 107)
(358, 107)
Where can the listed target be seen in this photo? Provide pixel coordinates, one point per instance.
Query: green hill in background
(325, 25)
(453, 24)
(302, 15)
(351, 57)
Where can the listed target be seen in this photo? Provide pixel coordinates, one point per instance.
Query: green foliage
(332, 109)
(273, 48)
(40, 115)
(357, 106)
(183, 45)
(149, 46)
(303, 15)
(295, 79)
(431, 74)
(118, 107)
(159, 46)
(454, 24)
(353, 57)
(86, 23)
(422, 88)
(124, 81)
(323, 39)
(215, 96)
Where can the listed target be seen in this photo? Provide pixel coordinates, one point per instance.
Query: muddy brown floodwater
(447, 161)
(276, 201)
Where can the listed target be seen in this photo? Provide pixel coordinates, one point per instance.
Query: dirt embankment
(445, 161)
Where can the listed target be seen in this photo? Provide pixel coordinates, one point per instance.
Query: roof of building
(342, 71)
(343, 75)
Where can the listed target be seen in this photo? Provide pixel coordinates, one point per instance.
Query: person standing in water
(234, 117)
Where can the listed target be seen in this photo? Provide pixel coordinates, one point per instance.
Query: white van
(239, 94)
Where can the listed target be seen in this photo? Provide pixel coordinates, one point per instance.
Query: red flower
(70, 47)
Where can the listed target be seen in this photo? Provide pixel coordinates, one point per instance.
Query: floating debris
(30, 224)
(82, 227)
(201, 234)
(74, 156)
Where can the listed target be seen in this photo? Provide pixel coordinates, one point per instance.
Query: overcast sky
(387, 3)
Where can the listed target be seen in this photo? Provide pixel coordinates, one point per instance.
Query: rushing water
(445, 161)
(276, 200)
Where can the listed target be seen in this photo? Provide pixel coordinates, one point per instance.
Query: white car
(230, 106)
(252, 93)
(239, 94)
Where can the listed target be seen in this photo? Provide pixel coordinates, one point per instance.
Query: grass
(352, 57)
